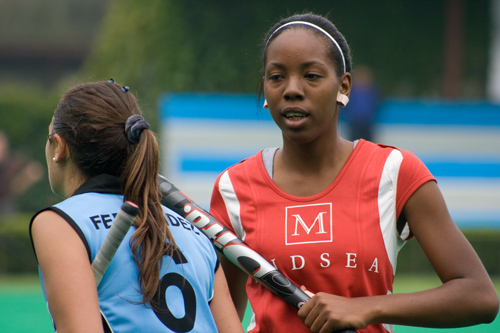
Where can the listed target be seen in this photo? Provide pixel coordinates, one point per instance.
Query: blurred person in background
(17, 175)
(364, 101)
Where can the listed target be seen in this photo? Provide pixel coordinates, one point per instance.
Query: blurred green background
(417, 49)
(155, 46)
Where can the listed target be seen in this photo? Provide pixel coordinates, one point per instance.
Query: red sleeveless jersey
(342, 241)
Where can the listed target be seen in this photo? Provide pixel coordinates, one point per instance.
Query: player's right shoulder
(47, 216)
(48, 226)
(232, 170)
(244, 163)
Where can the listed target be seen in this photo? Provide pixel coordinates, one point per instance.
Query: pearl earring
(53, 159)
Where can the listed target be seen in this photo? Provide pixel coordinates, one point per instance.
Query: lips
(294, 113)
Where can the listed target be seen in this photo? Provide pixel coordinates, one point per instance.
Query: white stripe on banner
(196, 151)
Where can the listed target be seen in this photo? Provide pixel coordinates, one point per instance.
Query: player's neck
(305, 171)
(314, 156)
(73, 179)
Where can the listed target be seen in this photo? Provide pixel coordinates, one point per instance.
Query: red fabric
(330, 242)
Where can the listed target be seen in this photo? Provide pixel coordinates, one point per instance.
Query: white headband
(315, 27)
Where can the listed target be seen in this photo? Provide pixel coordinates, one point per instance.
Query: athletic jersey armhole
(415, 174)
(216, 268)
(29, 230)
(217, 264)
(71, 222)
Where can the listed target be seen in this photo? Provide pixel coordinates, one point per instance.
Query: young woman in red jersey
(331, 214)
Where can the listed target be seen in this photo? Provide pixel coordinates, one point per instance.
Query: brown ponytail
(91, 118)
(152, 238)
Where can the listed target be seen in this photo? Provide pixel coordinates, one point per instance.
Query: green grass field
(22, 305)
(23, 309)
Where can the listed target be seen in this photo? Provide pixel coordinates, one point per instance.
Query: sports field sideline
(23, 310)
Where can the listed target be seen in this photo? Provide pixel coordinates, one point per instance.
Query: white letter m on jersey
(319, 218)
(308, 223)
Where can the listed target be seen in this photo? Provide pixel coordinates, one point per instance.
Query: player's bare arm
(64, 263)
(222, 307)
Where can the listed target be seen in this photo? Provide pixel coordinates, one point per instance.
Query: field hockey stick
(233, 248)
(121, 224)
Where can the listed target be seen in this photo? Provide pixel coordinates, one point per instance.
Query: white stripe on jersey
(387, 206)
(228, 194)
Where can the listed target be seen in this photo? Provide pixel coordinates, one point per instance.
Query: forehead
(298, 42)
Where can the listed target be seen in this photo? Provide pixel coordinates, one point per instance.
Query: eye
(312, 76)
(275, 77)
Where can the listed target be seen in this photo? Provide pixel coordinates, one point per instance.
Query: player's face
(301, 85)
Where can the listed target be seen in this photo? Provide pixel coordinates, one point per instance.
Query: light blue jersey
(187, 280)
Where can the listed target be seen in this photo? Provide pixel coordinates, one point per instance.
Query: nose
(293, 89)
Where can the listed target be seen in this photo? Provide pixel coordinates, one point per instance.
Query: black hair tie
(134, 126)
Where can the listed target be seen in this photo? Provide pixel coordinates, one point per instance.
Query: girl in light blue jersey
(165, 276)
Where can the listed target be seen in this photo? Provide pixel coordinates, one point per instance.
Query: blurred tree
(176, 46)
(156, 46)
(167, 45)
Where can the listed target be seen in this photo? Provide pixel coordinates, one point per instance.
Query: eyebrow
(303, 65)
(275, 64)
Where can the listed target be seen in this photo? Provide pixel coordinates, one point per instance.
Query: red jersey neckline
(316, 196)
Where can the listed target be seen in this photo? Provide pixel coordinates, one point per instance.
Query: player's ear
(61, 152)
(345, 86)
(344, 89)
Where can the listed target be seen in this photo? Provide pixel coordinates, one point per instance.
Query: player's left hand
(325, 313)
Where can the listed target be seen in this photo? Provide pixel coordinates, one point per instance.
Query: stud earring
(265, 106)
(342, 99)
(53, 159)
